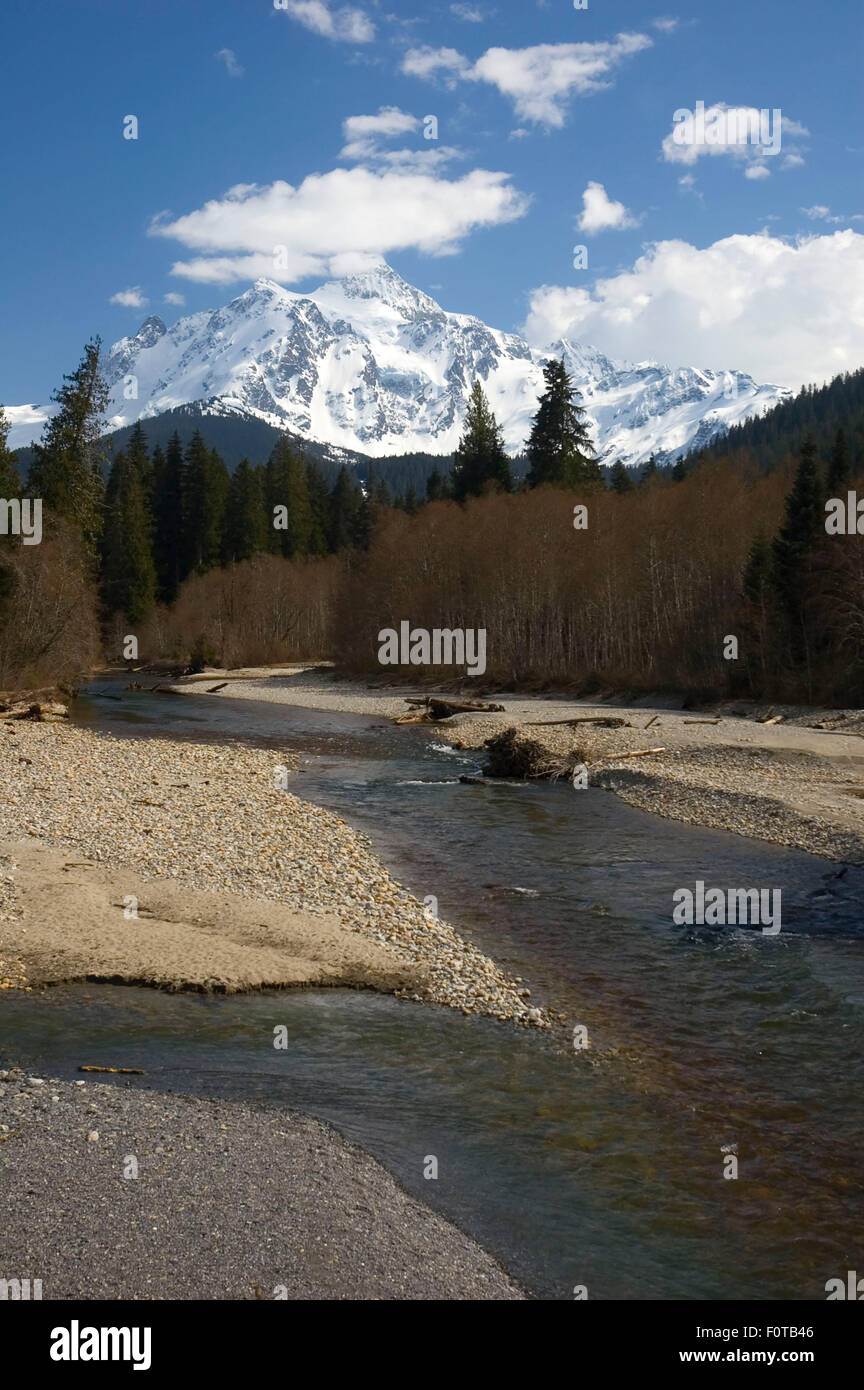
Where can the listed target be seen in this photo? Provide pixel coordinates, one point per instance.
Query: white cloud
(820, 213)
(229, 58)
(173, 298)
(666, 26)
(359, 211)
(130, 299)
(739, 132)
(539, 80)
(363, 133)
(469, 13)
(346, 25)
(600, 213)
(785, 312)
(429, 62)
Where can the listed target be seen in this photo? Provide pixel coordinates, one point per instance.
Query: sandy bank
(788, 783)
(230, 1201)
(242, 884)
(80, 921)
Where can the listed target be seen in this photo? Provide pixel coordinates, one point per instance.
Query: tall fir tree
(839, 474)
(559, 449)
(288, 488)
(346, 518)
(168, 537)
(10, 488)
(480, 460)
(802, 532)
(319, 509)
(620, 480)
(10, 480)
(205, 496)
(128, 571)
(436, 488)
(649, 471)
(67, 469)
(245, 532)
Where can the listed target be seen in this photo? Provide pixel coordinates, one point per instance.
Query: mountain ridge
(371, 364)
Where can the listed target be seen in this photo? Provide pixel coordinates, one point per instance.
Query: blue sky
(734, 258)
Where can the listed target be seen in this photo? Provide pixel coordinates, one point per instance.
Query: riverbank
(789, 782)
(170, 1197)
(188, 867)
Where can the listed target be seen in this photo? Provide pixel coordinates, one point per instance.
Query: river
(602, 1169)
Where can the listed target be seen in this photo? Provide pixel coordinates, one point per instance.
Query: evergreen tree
(128, 572)
(168, 535)
(10, 488)
(67, 468)
(801, 533)
(839, 466)
(412, 506)
(138, 455)
(345, 512)
(480, 459)
(436, 488)
(10, 481)
(287, 487)
(559, 449)
(319, 509)
(205, 496)
(621, 480)
(245, 531)
(649, 471)
(679, 471)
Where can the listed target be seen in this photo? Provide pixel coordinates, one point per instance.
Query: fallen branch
(708, 721)
(605, 721)
(652, 720)
(637, 753)
(211, 690)
(118, 1071)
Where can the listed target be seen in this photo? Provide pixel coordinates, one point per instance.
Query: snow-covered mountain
(371, 364)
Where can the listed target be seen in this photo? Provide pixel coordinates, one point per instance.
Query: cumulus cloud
(539, 80)
(173, 298)
(429, 62)
(229, 58)
(666, 26)
(469, 13)
(132, 298)
(786, 312)
(752, 136)
(600, 213)
(365, 137)
(345, 25)
(287, 232)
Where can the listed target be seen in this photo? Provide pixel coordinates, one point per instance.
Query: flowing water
(602, 1168)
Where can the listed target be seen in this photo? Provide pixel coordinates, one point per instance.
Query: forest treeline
(636, 583)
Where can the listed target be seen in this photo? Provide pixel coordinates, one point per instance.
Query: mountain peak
(383, 284)
(150, 331)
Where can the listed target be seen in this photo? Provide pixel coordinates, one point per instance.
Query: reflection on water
(603, 1169)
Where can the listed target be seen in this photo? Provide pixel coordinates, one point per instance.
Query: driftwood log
(603, 721)
(432, 710)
